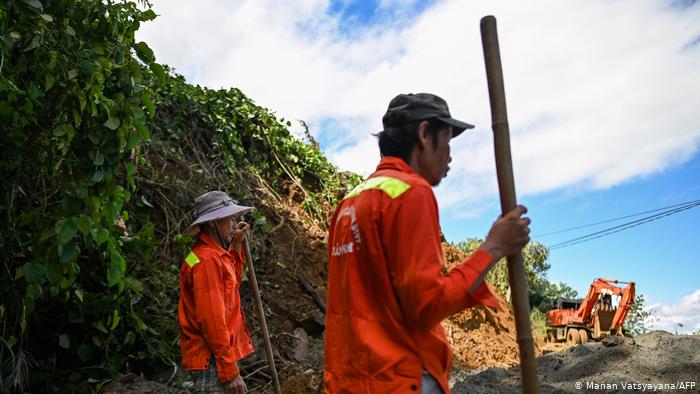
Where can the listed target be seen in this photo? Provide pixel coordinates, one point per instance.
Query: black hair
(399, 141)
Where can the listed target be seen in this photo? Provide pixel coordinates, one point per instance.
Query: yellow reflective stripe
(192, 259)
(391, 186)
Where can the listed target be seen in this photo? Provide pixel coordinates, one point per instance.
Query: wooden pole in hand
(506, 186)
(261, 315)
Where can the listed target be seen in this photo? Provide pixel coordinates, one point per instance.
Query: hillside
(103, 152)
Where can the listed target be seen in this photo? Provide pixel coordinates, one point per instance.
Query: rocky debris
(614, 341)
(657, 361)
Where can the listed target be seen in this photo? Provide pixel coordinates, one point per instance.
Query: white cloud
(683, 317)
(598, 92)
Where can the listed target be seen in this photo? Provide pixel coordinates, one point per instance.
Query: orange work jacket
(209, 312)
(386, 290)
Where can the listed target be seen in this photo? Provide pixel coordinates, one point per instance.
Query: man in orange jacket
(386, 290)
(213, 335)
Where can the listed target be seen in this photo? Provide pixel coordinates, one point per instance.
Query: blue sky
(602, 109)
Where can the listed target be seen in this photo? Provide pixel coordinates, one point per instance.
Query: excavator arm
(623, 309)
(584, 312)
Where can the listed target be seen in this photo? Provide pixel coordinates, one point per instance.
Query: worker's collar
(204, 237)
(394, 163)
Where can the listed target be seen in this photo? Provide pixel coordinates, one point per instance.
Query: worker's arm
(210, 306)
(507, 236)
(415, 258)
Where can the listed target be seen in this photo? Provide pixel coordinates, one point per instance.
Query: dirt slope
(481, 337)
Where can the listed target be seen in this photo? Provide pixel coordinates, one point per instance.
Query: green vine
(103, 151)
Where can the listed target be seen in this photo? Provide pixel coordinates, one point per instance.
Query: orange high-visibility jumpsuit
(211, 319)
(386, 290)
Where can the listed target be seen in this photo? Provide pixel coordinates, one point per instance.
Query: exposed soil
(481, 337)
(652, 362)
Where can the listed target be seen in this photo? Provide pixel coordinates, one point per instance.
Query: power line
(624, 226)
(614, 219)
(621, 227)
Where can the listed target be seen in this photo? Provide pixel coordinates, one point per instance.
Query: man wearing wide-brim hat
(213, 336)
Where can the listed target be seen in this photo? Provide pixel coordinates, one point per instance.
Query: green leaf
(72, 74)
(130, 169)
(60, 130)
(117, 259)
(48, 82)
(100, 326)
(54, 272)
(95, 136)
(33, 272)
(143, 130)
(150, 107)
(34, 4)
(85, 352)
(129, 339)
(148, 15)
(100, 235)
(114, 274)
(67, 252)
(115, 320)
(46, 17)
(159, 71)
(83, 223)
(70, 31)
(99, 159)
(67, 232)
(63, 341)
(36, 41)
(97, 177)
(144, 52)
(112, 123)
(134, 139)
(29, 307)
(79, 293)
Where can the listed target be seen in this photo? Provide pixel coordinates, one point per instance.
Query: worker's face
(225, 227)
(434, 154)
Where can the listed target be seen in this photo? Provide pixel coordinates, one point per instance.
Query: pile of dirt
(481, 337)
(658, 361)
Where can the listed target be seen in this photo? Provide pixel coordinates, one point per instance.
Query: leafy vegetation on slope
(103, 151)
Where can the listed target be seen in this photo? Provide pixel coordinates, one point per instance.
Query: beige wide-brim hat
(211, 206)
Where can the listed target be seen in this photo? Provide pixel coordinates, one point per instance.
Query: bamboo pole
(506, 186)
(261, 315)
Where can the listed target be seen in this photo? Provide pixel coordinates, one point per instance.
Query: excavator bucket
(603, 322)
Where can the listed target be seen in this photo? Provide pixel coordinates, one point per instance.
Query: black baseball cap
(410, 107)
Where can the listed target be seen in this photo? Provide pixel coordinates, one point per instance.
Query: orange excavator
(591, 318)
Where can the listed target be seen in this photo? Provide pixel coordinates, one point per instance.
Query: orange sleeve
(211, 313)
(414, 255)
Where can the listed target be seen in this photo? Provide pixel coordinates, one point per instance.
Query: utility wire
(614, 219)
(624, 226)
